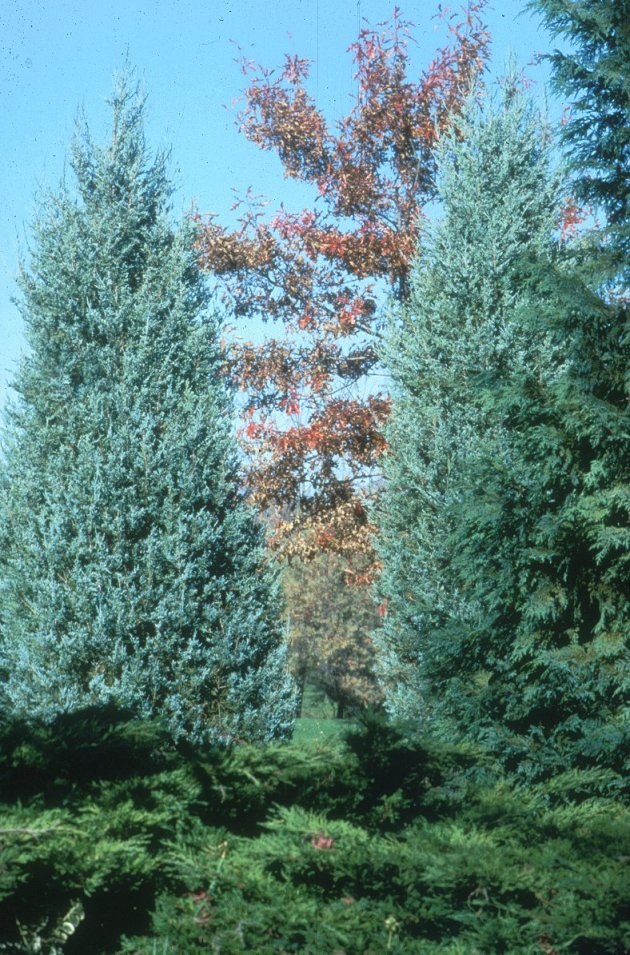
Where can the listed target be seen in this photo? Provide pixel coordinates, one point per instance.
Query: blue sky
(57, 55)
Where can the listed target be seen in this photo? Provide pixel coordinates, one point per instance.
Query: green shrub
(115, 840)
(317, 885)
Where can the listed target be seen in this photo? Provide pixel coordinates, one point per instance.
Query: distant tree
(330, 626)
(460, 323)
(130, 569)
(312, 426)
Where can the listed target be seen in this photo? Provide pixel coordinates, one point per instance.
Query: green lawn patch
(318, 730)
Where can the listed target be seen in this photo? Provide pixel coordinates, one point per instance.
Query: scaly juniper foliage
(131, 572)
(542, 545)
(383, 843)
(543, 538)
(499, 201)
(514, 576)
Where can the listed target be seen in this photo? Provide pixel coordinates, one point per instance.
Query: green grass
(314, 729)
(317, 722)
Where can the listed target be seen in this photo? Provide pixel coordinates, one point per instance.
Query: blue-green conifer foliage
(131, 570)
(592, 75)
(499, 201)
(504, 527)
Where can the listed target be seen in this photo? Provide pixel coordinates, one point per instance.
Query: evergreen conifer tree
(541, 542)
(543, 536)
(131, 570)
(499, 201)
(593, 73)
(506, 571)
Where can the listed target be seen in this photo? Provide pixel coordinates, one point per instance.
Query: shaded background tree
(330, 628)
(131, 571)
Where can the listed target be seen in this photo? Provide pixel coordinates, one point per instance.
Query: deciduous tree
(330, 628)
(313, 428)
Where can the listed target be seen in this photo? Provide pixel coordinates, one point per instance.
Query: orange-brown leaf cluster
(314, 416)
(572, 216)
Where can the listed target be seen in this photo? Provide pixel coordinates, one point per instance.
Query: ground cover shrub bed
(113, 840)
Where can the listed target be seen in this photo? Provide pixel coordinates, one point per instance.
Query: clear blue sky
(56, 55)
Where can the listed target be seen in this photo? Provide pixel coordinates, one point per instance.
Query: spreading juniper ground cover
(152, 801)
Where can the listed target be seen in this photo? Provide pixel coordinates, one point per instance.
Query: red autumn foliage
(322, 842)
(572, 216)
(314, 418)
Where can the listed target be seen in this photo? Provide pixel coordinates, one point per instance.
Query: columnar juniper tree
(505, 538)
(541, 543)
(131, 570)
(543, 539)
(499, 203)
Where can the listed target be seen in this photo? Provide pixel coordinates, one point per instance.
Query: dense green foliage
(542, 545)
(383, 844)
(548, 514)
(593, 73)
(130, 569)
(509, 473)
(140, 629)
